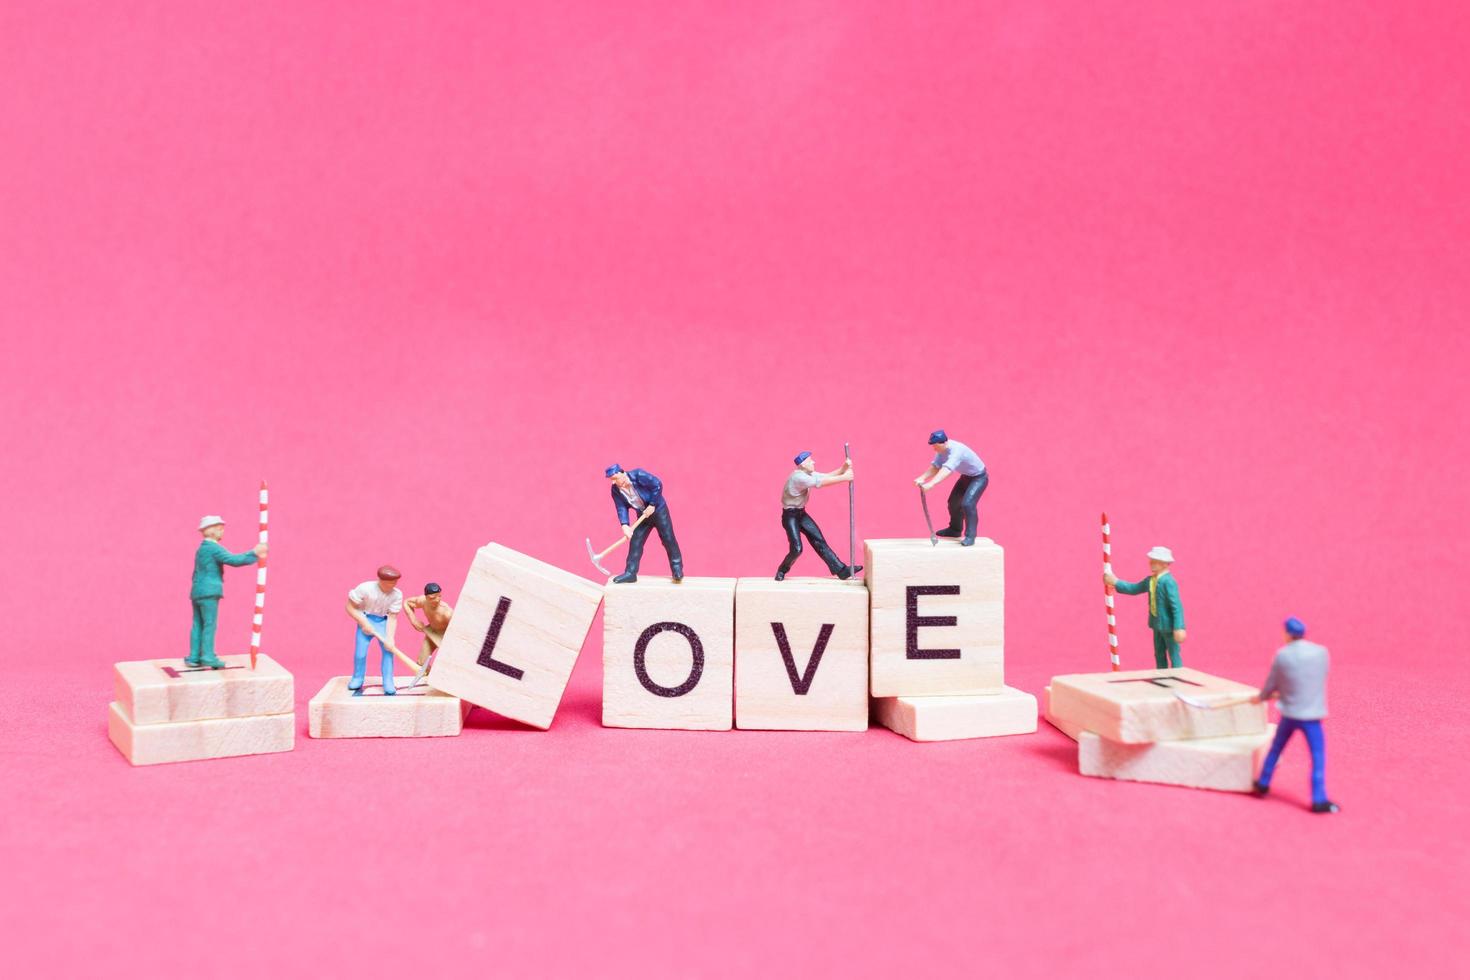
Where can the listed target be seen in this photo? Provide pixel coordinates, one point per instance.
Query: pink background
(429, 267)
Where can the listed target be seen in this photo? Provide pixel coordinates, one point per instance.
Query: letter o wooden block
(517, 629)
(801, 654)
(668, 654)
(936, 616)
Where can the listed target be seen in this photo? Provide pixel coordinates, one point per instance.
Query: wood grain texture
(541, 635)
(835, 696)
(417, 712)
(1067, 728)
(1137, 706)
(895, 564)
(706, 607)
(188, 741)
(946, 717)
(153, 691)
(1229, 763)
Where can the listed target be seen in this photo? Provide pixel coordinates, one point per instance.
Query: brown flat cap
(390, 573)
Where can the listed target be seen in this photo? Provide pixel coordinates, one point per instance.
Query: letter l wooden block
(936, 616)
(668, 654)
(518, 627)
(801, 654)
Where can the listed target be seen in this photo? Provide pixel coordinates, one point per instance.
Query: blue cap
(432, 589)
(937, 436)
(1296, 627)
(612, 470)
(802, 457)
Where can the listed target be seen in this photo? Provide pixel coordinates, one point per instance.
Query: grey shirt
(959, 458)
(632, 497)
(798, 488)
(1299, 675)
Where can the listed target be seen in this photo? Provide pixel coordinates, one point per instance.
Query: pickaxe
(598, 556)
(924, 499)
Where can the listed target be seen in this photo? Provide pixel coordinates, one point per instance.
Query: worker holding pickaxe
(640, 492)
(796, 521)
(374, 606)
(953, 457)
(436, 614)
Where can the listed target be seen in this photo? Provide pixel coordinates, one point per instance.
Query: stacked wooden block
(167, 711)
(411, 712)
(937, 640)
(1134, 725)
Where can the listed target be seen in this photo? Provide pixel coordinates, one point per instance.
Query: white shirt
(798, 487)
(959, 458)
(374, 601)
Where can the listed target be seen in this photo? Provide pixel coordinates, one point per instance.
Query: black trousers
(796, 522)
(665, 525)
(964, 506)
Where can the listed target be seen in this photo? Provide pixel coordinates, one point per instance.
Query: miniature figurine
(436, 616)
(964, 499)
(797, 521)
(208, 587)
(1165, 611)
(1298, 677)
(374, 606)
(641, 492)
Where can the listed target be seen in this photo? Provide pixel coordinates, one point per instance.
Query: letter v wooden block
(937, 616)
(801, 654)
(518, 627)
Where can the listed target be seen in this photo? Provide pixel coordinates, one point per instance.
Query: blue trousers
(1315, 742)
(359, 655)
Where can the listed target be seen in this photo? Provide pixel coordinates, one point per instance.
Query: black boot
(967, 540)
(677, 568)
(845, 573)
(949, 532)
(1259, 788)
(1326, 806)
(625, 578)
(781, 575)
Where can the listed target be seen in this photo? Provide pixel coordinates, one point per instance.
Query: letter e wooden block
(518, 627)
(1136, 706)
(944, 717)
(154, 691)
(413, 712)
(937, 616)
(801, 654)
(668, 654)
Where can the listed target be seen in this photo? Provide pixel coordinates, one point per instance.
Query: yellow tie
(1153, 596)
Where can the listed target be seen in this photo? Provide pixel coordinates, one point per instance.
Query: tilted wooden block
(518, 627)
(1065, 727)
(411, 713)
(1135, 706)
(668, 654)
(801, 654)
(210, 738)
(943, 717)
(154, 691)
(937, 616)
(1229, 763)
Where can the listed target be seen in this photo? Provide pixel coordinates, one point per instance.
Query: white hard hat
(210, 521)
(1160, 553)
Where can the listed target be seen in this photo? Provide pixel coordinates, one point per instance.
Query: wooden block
(937, 616)
(411, 713)
(944, 717)
(801, 654)
(1229, 763)
(1065, 727)
(210, 738)
(518, 627)
(1135, 706)
(668, 654)
(153, 691)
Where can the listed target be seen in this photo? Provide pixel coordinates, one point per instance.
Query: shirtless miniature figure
(437, 612)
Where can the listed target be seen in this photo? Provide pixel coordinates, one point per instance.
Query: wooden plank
(819, 680)
(944, 717)
(1137, 706)
(1229, 764)
(153, 691)
(914, 587)
(415, 712)
(210, 738)
(668, 654)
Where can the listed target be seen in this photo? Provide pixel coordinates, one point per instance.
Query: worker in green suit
(209, 586)
(1165, 611)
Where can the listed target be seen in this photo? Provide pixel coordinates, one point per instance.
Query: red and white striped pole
(1108, 593)
(260, 579)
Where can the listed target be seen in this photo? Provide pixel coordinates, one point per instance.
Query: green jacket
(1171, 611)
(209, 562)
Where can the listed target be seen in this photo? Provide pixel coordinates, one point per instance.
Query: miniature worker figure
(1165, 611)
(208, 588)
(436, 614)
(1298, 677)
(964, 499)
(639, 495)
(797, 521)
(374, 606)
